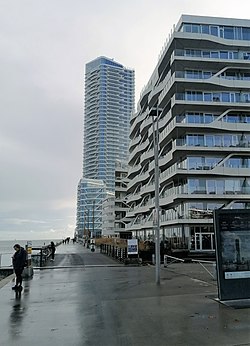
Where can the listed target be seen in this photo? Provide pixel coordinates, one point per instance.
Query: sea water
(7, 251)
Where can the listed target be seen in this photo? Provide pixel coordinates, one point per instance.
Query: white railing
(170, 260)
(6, 259)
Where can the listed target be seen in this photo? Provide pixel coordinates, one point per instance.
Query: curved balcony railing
(225, 97)
(213, 54)
(207, 142)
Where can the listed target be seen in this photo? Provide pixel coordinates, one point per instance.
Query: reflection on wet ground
(19, 307)
(118, 306)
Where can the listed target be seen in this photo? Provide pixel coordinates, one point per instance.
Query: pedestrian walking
(19, 261)
(53, 250)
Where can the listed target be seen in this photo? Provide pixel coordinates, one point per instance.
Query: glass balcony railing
(192, 74)
(185, 191)
(207, 118)
(233, 97)
(213, 54)
(208, 144)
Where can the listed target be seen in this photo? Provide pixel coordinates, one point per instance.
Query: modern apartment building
(200, 94)
(121, 207)
(109, 103)
(114, 205)
(90, 196)
(108, 214)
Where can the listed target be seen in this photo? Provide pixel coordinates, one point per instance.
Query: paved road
(77, 255)
(95, 305)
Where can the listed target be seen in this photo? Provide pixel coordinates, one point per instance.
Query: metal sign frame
(232, 234)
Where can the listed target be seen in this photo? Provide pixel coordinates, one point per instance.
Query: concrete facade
(201, 92)
(114, 206)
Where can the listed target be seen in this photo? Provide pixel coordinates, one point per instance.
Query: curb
(6, 280)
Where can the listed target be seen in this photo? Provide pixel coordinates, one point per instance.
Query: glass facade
(218, 96)
(223, 31)
(90, 195)
(242, 54)
(109, 103)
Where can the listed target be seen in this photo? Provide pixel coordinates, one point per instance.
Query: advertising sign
(232, 231)
(132, 246)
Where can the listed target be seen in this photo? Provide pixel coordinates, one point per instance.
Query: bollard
(165, 261)
(41, 257)
(28, 271)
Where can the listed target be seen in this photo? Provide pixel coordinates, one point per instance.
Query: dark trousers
(19, 278)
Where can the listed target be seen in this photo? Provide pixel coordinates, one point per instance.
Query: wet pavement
(87, 299)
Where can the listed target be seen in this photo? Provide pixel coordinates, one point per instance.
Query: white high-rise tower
(109, 102)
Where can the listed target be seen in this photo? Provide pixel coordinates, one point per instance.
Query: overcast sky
(44, 46)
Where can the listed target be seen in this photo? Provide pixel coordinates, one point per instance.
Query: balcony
(147, 188)
(147, 155)
(207, 55)
(133, 170)
(137, 121)
(209, 97)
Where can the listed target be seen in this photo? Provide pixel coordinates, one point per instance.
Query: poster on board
(132, 246)
(232, 234)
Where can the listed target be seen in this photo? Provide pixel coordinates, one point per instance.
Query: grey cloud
(44, 46)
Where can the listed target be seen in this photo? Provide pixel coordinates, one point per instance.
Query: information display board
(232, 234)
(132, 247)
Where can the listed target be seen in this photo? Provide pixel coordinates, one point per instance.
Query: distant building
(90, 195)
(108, 214)
(114, 205)
(201, 91)
(109, 103)
(121, 207)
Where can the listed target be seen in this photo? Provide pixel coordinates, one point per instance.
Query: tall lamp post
(87, 227)
(93, 220)
(156, 220)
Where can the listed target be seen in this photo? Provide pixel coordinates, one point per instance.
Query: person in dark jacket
(19, 261)
(53, 250)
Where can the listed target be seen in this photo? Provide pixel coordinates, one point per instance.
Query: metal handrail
(190, 260)
(175, 259)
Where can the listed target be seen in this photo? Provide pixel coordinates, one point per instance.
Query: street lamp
(156, 220)
(87, 212)
(93, 221)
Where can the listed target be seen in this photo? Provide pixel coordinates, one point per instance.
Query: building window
(214, 30)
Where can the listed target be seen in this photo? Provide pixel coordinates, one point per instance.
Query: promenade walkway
(87, 299)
